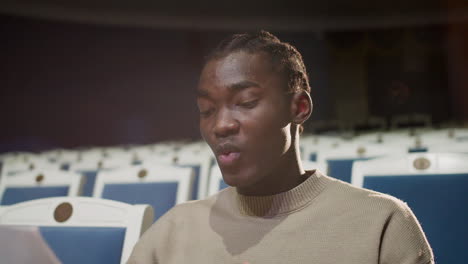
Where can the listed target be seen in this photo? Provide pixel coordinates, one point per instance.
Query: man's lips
(227, 153)
(229, 158)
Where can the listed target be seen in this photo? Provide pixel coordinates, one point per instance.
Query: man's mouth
(227, 154)
(228, 158)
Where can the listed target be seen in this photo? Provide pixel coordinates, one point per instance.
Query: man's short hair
(285, 57)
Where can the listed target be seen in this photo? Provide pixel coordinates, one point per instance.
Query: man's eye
(206, 113)
(249, 104)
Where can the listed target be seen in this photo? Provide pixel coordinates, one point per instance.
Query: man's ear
(301, 107)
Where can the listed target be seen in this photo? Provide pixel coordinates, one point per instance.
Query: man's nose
(226, 125)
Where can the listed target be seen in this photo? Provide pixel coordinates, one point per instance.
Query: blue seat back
(13, 195)
(137, 162)
(222, 184)
(90, 180)
(313, 156)
(417, 150)
(440, 203)
(342, 168)
(65, 166)
(90, 245)
(162, 196)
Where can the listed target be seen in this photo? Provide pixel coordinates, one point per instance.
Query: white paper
(24, 245)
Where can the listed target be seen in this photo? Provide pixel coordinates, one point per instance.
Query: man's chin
(237, 180)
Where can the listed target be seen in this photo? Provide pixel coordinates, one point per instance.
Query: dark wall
(69, 85)
(65, 84)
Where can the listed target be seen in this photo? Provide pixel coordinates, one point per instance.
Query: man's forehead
(235, 68)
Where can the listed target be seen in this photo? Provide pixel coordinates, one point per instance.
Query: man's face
(245, 117)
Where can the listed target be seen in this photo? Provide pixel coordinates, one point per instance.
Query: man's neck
(286, 175)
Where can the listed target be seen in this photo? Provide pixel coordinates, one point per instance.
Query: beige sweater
(321, 221)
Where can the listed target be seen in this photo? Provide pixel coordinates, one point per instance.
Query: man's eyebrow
(236, 87)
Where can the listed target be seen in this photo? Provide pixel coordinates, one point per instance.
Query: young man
(253, 97)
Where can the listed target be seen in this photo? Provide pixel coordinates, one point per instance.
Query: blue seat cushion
(14, 195)
(90, 245)
(440, 204)
(161, 196)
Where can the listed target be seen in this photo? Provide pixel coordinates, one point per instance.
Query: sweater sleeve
(403, 240)
(145, 250)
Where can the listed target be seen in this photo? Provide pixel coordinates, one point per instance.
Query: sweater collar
(285, 202)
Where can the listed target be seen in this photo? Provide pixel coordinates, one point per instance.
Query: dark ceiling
(290, 15)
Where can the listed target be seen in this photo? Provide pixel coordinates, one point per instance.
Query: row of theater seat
(160, 186)
(83, 229)
(334, 154)
(71, 230)
(382, 162)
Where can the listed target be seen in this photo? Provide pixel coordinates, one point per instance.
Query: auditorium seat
(312, 145)
(418, 145)
(164, 148)
(422, 121)
(15, 166)
(340, 160)
(434, 186)
(57, 155)
(64, 157)
(78, 229)
(453, 147)
(446, 135)
(370, 138)
(159, 158)
(90, 167)
(200, 160)
(408, 139)
(139, 153)
(39, 184)
(216, 183)
(159, 186)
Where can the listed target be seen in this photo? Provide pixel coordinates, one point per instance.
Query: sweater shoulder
(357, 196)
(187, 213)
